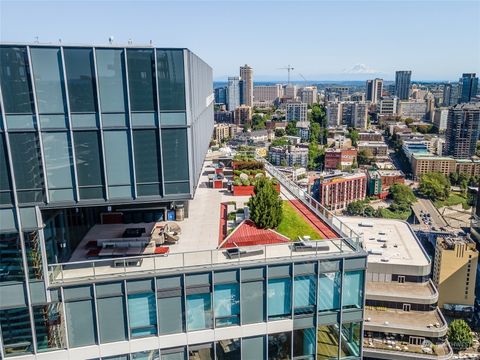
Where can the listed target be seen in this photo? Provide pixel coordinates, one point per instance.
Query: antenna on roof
(110, 39)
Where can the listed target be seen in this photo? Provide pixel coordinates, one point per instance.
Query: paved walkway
(325, 231)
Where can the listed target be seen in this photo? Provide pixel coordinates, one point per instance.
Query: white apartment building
(308, 95)
(415, 109)
(388, 106)
(267, 93)
(296, 111)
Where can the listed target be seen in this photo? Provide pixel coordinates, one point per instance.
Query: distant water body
(351, 83)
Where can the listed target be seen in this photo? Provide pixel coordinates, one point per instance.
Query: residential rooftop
(199, 239)
(388, 241)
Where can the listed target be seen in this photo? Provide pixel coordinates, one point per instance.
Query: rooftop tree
(266, 205)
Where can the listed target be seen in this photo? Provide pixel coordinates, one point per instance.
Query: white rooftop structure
(392, 245)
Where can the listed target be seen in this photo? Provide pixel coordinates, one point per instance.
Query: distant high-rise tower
(246, 74)
(450, 94)
(374, 90)
(233, 93)
(468, 85)
(463, 126)
(402, 84)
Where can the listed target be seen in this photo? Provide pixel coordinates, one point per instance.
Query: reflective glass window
(280, 346)
(227, 304)
(49, 326)
(170, 305)
(173, 354)
(353, 289)
(201, 352)
(80, 317)
(16, 332)
(199, 311)
(141, 65)
(111, 318)
(327, 338)
(5, 182)
(145, 355)
(304, 343)
(229, 349)
(351, 336)
(58, 160)
(80, 79)
(27, 166)
(253, 302)
(11, 266)
(34, 255)
(171, 79)
(329, 287)
(15, 80)
(147, 162)
(89, 165)
(117, 158)
(48, 77)
(253, 348)
(279, 298)
(175, 154)
(142, 314)
(304, 294)
(111, 80)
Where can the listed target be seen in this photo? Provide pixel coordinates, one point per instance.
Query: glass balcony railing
(203, 259)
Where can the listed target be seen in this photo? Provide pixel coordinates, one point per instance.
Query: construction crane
(304, 80)
(288, 68)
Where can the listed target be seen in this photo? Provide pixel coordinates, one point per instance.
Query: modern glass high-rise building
(100, 145)
(402, 84)
(468, 85)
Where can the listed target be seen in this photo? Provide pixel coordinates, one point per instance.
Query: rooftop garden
(293, 225)
(269, 211)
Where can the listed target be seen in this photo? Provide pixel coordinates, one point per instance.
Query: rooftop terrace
(417, 323)
(197, 246)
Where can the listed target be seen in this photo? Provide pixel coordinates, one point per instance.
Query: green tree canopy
(266, 205)
(316, 156)
(291, 128)
(280, 132)
(365, 157)
(402, 194)
(258, 122)
(434, 185)
(354, 136)
(459, 335)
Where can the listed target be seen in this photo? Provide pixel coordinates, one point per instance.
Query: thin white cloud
(360, 69)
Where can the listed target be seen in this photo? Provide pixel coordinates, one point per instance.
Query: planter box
(240, 190)
(217, 184)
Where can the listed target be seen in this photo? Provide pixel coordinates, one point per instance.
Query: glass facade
(120, 311)
(128, 111)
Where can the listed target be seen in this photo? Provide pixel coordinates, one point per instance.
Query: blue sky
(323, 40)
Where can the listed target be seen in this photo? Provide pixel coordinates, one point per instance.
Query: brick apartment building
(340, 158)
(339, 190)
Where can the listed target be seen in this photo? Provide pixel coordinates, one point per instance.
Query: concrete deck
(419, 293)
(419, 323)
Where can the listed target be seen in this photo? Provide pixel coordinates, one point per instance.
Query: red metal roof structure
(248, 234)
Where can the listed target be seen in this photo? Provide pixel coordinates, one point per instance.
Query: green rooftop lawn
(294, 225)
